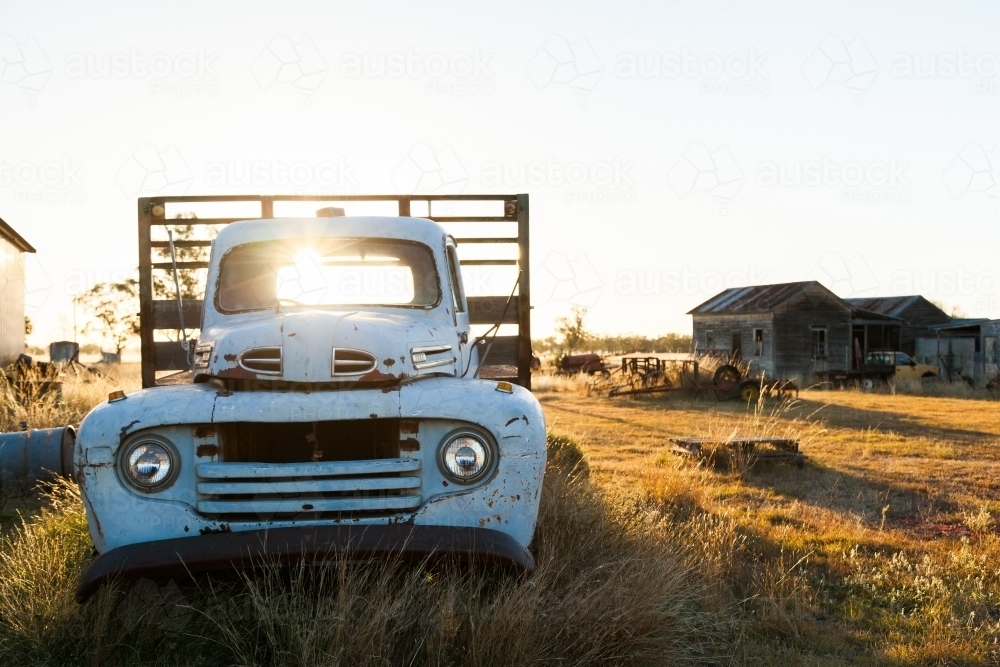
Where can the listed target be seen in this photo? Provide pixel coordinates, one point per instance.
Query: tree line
(573, 337)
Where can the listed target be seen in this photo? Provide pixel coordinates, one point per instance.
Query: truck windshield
(327, 272)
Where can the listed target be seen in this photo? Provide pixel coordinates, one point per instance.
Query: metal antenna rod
(180, 300)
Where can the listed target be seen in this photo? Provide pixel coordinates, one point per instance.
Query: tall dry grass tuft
(43, 400)
(39, 563)
(613, 587)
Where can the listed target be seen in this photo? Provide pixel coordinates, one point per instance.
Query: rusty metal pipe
(43, 453)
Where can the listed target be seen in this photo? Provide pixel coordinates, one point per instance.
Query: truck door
(459, 306)
(906, 368)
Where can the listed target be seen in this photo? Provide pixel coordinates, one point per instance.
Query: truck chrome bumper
(286, 546)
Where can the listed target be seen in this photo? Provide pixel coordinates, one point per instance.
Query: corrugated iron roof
(7, 232)
(893, 306)
(755, 298)
(962, 323)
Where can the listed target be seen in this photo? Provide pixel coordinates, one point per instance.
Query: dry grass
(612, 587)
(882, 550)
(26, 400)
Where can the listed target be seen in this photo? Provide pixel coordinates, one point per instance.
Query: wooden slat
(180, 222)
(523, 342)
(488, 309)
(148, 365)
(479, 262)
(178, 243)
(487, 240)
(165, 315)
(503, 351)
(180, 265)
(169, 356)
(469, 218)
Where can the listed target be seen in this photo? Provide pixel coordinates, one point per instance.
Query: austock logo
(24, 64)
(874, 182)
(838, 63)
(458, 74)
(732, 74)
(427, 170)
(48, 182)
(704, 171)
(150, 170)
(585, 182)
(290, 63)
(975, 170)
(569, 280)
(561, 62)
(182, 74)
(338, 175)
(846, 277)
(684, 281)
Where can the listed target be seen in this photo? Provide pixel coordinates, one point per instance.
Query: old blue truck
(343, 395)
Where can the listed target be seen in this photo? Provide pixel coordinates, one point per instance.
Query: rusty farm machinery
(653, 375)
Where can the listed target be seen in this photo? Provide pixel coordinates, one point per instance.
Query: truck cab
(334, 407)
(892, 364)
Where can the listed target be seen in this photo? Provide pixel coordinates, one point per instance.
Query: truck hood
(322, 346)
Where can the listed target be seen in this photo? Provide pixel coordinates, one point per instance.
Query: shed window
(819, 342)
(758, 342)
(709, 339)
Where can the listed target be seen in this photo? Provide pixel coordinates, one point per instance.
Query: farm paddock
(880, 550)
(883, 549)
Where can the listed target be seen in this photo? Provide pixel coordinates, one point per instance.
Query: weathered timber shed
(962, 348)
(12, 249)
(915, 317)
(791, 330)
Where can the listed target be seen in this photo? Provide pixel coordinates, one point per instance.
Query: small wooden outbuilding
(790, 331)
(12, 323)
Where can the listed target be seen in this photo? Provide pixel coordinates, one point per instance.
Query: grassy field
(881, 550)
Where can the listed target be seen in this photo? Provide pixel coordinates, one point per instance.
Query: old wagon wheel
(750, 393)
(727, 376)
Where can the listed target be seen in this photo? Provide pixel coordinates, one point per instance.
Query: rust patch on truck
(127, 428)
(209, 451)
(409, 445)
(237, 373)
(206, 431)
(375, 375)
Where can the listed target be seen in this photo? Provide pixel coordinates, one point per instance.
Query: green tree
(114, 308)
(572, 329)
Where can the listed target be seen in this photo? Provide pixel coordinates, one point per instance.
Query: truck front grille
(351, 362)
(263, 360)
(253, 491)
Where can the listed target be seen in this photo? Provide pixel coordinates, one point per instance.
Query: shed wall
(11, 302)
(917, 318)
(746, 324)
(793, 329)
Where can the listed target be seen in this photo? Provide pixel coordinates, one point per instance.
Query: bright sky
(671, 148)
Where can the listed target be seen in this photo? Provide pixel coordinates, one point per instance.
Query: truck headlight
(149, 465)
(466, 456)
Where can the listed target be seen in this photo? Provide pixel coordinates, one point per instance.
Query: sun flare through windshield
(327, 272)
